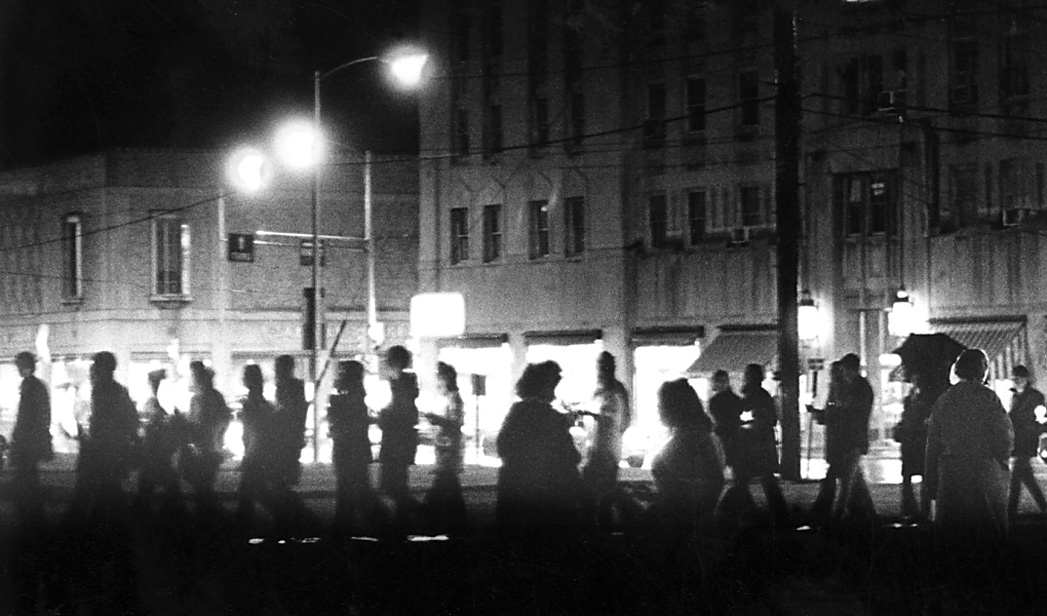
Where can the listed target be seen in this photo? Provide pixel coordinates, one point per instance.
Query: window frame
(493, 239)
(73, 257)
(540, 240)
(459, 225)
(162, 288)
(749, 102)
(750, 206)
(697, 201)
(658, 227)
(574, 226)
(696, 115)
(655, 113)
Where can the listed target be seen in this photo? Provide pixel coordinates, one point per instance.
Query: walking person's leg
(1019, 466)
(1028, 478)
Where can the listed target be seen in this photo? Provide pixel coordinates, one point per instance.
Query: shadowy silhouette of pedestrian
(289, 438)
(164, 435)
(613, 416)
(257, 416)
(911, 434)
(1029, 420)
(209, 417)
(688, 471)
(107, 453)
(349, 420)
(398, 423)
(752, 447)
(445, 506)
(539, 486)
(30, 440)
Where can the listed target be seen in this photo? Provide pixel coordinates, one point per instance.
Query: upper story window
(539, 225)
(459, 234)
(658, 220)
(493, 141)
(461, 30)
(539, 123)
(869, 204)
(573, 43)
(962, 201)
(492, 233)
(577, 120)
(750, 206)
(963, 73)
(695, 104)
(655, 21)
(574, 226)
(697, 220)
(460, 133)
(654, 123)
(1014, 66)
(170, 256)
(538, 38)
(749, 99)
(693, 27)
(73, 257)
(493, 31)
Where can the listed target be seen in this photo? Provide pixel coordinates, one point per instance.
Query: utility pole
(787, 201)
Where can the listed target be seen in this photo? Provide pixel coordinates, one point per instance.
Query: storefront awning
(563, 337)
(993, 337)
(474, 341)
(666, 336)
(733, 350)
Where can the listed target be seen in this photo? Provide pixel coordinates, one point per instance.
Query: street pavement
(148, 564)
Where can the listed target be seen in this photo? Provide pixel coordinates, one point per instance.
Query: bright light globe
(298, 145)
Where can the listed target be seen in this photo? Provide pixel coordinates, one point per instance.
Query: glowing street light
(247, 170)
(807, 317)
(298, 145)
(901, 318)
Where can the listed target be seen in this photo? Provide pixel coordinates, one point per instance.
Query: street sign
(305, 253)
(241, 247)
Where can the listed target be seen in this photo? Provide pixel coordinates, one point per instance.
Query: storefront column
(518, 347)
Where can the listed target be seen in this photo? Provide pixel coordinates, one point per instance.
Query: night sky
(80, 76)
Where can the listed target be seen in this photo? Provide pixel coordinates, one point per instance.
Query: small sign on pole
(241, 247)
(305, 253)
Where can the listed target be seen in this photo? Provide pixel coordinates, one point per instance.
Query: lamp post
(406, 68)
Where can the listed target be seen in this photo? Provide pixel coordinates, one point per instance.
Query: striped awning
(994, 337)
(733, 350)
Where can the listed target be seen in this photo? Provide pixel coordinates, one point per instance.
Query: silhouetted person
(843, 492)
(31, 438)
(164, 433)
(969, 442)
(613, 416)
(107, 453)
(399, 434)
(538, 482)
(349, 419)
(1028, 418)
(444, 503)
(292, 411)
(688, 471)
(256, 416)
(726, 409)
(911, 433)
(754, 446)
(209, 418)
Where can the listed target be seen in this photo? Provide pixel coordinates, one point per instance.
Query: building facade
(129, 251)
(602, 177)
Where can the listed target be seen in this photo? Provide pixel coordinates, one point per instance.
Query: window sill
(170, 300)
(72, 301)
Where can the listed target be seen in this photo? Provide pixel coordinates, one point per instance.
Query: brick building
(609, 169)
(126, 251)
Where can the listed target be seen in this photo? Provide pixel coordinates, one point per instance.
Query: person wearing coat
(911, 433)
(256, 416)
(969, 442)
(162, 438)
(209, 417)
(398, 423)
(31, 438)
(349, 420)
(1028, 418)
(539, 485)
(444, 502)
(107, 451)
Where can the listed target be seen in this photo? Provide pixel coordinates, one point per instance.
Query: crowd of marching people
(974, 456)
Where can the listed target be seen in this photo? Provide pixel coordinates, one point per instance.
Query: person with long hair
(538, 482)
(444, 502)
(688, 471)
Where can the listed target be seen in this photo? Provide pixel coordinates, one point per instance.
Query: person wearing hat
(1027, 429)
(969, 441)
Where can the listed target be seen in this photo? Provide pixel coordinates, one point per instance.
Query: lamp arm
(347, 65)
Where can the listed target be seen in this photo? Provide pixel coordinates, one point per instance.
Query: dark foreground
(178, 563)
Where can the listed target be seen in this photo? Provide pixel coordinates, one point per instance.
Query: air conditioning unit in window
(964, 94)
(891, 100)
(740, 236)
(1012, 217)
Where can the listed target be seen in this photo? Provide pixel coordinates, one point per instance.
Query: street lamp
(301, 147)
(900, 320)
